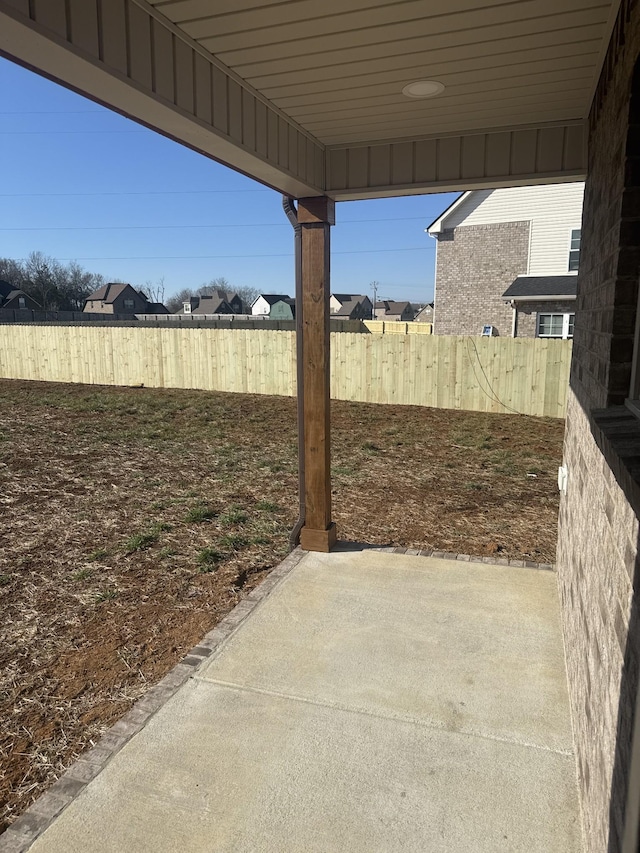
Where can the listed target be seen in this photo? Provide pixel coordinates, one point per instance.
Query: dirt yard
(132, 520)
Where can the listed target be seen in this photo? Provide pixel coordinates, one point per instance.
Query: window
(128, 304)
(555, 325)
(22, 302)
(574, 250)
(187, 307)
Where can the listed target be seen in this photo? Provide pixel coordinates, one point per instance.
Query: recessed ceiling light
(423, 89)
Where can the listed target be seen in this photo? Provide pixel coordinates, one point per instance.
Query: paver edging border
(21, 834)
(469, 558)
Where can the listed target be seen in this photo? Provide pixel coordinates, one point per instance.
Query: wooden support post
(315, 217)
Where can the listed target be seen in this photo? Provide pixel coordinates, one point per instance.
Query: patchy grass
(113, 562)
(200, 513)
(209, 558)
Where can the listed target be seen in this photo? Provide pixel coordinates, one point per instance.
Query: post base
(318, 540)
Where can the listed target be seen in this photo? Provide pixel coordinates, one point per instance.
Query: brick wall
(474, 266)
(598, 526)
(528, 313)
(597, 549)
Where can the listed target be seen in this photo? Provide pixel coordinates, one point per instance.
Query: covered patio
(326, 105)
(359, 700)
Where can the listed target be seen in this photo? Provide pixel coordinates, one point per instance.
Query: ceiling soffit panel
(307, 96)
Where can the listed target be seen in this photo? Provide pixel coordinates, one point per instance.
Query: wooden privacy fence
(529, 376)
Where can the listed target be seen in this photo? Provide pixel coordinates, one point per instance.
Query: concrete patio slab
(372, 702)
(467, 647)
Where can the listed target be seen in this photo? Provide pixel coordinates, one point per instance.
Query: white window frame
(566, 323)
(572, 231)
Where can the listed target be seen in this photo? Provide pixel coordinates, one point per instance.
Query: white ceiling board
(423, 34)
(329, 91)
(499, 50)
(498, 90)
(309, 19)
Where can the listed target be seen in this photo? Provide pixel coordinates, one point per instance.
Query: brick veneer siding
(528, 314)
(474, 266)
(598, 526)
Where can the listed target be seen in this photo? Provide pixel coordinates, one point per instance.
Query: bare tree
(154, 292)
(13, 272)
(174, 303)
(42, 276)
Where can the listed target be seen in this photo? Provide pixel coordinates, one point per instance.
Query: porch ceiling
(307, 97)
(338, 68)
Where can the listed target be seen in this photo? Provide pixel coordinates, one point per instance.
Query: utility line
(221, 257)
(51, 112)
(65, 132)
(172, 227)
(127, 192)
(492, 395)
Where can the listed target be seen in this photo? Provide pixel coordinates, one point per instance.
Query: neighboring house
(206, 305)
(507, 259)
(283, 309)
(543, 306)
(350, 307)
(424, 315)
(216, 302)
(117, 299)
(262, 305)
(15, 299)
(390, 311)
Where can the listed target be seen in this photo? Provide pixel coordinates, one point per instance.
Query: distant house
(262, 305)
(217, 302)
(390, 311)
(13, 298)
(507, 260)
(283, 309)
(117, 299)
(350, 306)
(206, 305)
(424, 315)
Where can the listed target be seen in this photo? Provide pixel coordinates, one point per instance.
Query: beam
(476, 160)
(315, 217)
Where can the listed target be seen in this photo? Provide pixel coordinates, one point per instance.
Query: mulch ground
(132, 520)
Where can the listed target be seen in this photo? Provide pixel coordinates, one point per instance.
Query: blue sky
(83, 183)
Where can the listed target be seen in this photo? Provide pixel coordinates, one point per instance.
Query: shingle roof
(272, 298)
(349, 297)
(211, 305)
(108, 292)
(392, 307)
(6, 288)
(542, 286)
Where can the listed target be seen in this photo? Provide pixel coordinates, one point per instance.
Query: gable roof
(532, 287)
(347, 307)
(10, 294)
(438, 224)
(211, 305)
(6, 288)
(349, 297)
(110, 292)
(272, 298)
(392, 307)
